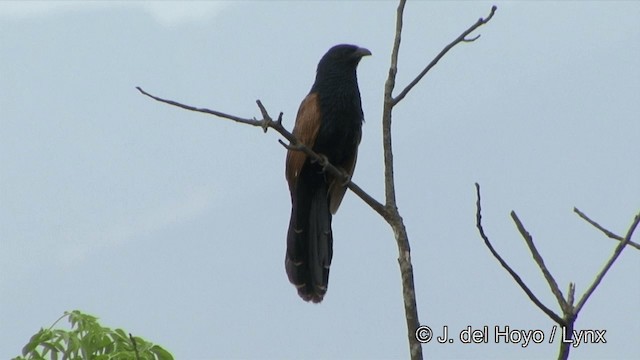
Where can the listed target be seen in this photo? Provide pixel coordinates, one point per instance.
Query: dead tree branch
(555, 289)
(616, 252)
(555, 317)
(254, 122)
(570, 312)
(605, 231)
(459, 39)
(395, 220)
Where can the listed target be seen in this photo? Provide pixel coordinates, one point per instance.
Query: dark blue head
(340, 62)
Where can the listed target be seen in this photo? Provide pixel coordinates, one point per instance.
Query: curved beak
(362, 52)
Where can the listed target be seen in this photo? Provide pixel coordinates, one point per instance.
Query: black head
(341, 58)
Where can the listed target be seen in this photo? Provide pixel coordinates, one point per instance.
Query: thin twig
(605, 231)
(555, 317)
(616, 252)
(268, 122)
(459, 39)
(555, 289)
(253, 122)
(472, 39)
(597, 226)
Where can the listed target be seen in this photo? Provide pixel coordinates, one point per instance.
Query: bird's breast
(339, 133)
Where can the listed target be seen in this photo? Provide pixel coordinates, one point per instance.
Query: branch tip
(608, 233)
(288, 146)
(571, 296)
(472, 39)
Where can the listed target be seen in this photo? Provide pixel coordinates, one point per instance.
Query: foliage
(89, 340)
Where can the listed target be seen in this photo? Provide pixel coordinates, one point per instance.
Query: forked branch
(395, 220)
(458, 40)
(616, 252)
(555, 317)
(570, 312)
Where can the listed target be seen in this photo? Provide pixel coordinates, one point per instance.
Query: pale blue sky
(172, 224)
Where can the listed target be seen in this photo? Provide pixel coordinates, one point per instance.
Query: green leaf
(121, 334)
(160, 353)
(39, 337)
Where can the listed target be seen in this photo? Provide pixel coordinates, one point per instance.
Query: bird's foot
(323, 162)
(345, 176)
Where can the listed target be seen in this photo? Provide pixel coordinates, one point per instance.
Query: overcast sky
(171, 224)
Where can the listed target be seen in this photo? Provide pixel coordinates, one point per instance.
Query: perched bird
(329, 121)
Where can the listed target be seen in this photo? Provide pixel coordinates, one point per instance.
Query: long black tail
(309, 239)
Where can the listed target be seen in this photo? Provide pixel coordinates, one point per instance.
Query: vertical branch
(393, 218)
(392, 215)
(408, 286)
(389, 183)
(565, 347)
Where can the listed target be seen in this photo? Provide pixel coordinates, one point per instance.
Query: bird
(329, 122)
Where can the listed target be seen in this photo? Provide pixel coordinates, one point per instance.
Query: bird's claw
(323, 162)
(345, 176)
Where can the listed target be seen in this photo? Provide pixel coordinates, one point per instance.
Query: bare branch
(570, 312)
(565, 346)
(607, 266)
(597, 226)
(268, 122)
(253, 122)
(538, 259)
(459, 39)
(605, 231)
(288, 146)
(394, 219)
(472, 39)
(506, 266)
(389, 182)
